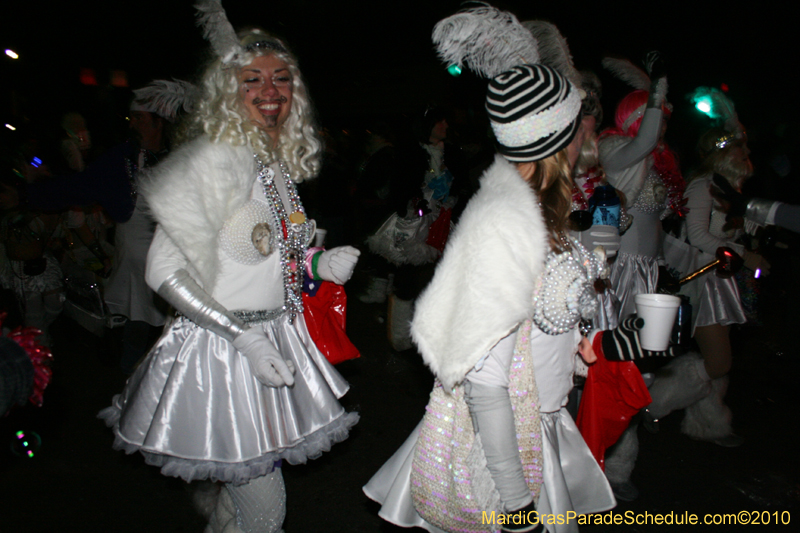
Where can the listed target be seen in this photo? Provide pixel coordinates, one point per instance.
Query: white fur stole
(483, 286)
(193, 192)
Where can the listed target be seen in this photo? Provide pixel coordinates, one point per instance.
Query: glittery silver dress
(194, 407)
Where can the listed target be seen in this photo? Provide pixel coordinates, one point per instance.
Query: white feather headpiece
(626, 71)
(553, 49)
(487, 40)
(164, 97)
(218, 30)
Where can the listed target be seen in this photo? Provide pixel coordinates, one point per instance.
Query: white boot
(376, 291)
(678, 385)
(620, 460)
(710, 419)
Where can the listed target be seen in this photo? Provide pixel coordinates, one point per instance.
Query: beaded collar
(291, 234)
(565, 292)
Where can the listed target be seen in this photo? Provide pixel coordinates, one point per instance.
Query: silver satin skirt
(194, 408)
(714, 300)
(573, 481)
(632, 275)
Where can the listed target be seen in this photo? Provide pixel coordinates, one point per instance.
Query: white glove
(337, 264)
(605, 236)
(267, 364)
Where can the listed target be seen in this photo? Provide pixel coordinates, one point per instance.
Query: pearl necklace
(290, 234)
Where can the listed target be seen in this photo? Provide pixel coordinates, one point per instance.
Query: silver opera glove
(190, 300)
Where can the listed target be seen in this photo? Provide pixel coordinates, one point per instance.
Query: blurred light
(119, 78)
(703, 105)
(36, 162)
(454, 70)
(12, 128)
(87, 77)
(12, 54)
(757, 274)
(724, 87)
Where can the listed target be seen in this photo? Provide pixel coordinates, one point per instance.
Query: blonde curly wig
(220, 112)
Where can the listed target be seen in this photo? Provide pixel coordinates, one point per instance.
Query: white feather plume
(626, 71)
(217, 29)
(487, 40)
(166, 98)
(553, 49)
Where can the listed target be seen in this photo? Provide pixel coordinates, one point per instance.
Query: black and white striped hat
(534, 111)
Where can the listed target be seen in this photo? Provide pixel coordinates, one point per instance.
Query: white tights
(258, 506)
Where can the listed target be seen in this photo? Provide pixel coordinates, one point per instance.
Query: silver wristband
(190, 300)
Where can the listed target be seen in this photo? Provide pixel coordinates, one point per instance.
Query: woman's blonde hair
(220, 112)
(718, 160)
(552, 182)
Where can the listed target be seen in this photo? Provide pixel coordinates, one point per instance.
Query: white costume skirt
(714, 300)
(194, 408)
(572, 479)
(632, 275)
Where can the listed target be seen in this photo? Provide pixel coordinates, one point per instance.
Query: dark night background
(365, 59)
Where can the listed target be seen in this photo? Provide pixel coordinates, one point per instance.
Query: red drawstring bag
(440, 230)
(325, 312)
(614, 392)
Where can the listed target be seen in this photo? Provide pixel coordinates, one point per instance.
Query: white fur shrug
(483, 287)
(193, 192)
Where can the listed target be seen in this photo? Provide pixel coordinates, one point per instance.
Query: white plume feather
(166, 98)
(626, 71)
(487, 40)
(217, 29)
(553, 49)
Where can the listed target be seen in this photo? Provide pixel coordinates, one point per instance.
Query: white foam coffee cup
(319, 237)
(659, 312)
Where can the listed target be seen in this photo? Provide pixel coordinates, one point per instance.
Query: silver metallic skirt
(194, 408)
(632, 275)
(714, 300)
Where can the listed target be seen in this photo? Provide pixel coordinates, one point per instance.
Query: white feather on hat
(487, 40)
